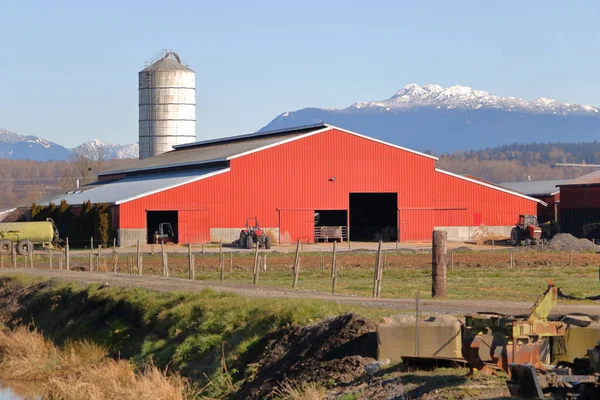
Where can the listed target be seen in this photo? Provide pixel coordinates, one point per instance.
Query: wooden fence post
(380, 269)
(296, 265)
(91, 254)
(30, 251)
(114, 256)
(230, 262)
(191, 267)
(376, 277)
(60, 261)
(98, 257)
(67, 255)
(50, 258)
(13, 256)
(165, 262)
(256, 268)
(438, 263)
(571, 259)
(139, 259)
(333, 262)
(265, 262)
(221, 262)
(333, 270)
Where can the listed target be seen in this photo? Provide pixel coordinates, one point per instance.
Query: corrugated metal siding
(490, 206)
(194, 226)
(296, 225)
(416, 225)
(297, 175)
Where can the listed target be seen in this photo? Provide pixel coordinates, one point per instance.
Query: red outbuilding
(295, 182)
(580, 206)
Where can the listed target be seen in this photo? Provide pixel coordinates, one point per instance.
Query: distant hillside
(455, 118)
(520, 162)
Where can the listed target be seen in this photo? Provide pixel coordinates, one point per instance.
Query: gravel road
(426, 305)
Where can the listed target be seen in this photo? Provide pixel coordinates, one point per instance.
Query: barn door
(296, 225)
(194, 226)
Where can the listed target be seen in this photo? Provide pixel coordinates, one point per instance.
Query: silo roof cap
(170, 62)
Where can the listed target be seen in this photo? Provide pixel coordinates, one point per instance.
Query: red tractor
(526, 231)
(254, 235)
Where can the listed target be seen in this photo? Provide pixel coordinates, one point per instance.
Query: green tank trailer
(24, 235)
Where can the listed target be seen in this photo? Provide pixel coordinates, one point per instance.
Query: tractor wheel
(249, 241)
(515, 236)
(267, 242)
(6, 247)
(23, 247)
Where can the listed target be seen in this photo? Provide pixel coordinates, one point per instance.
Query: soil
(334, 350)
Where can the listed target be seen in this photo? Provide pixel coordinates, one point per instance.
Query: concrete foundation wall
(228, 235)
(462, 233)
(129, 237)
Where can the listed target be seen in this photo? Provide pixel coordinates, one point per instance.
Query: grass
(204, 336)
(81, 370)
(475, 276)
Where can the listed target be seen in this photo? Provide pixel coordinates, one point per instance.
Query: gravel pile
(568, 242)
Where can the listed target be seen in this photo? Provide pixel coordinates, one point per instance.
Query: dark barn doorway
(331, 225)
(153, 221)
(374, 216)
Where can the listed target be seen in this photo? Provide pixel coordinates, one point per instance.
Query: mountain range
(19, 147)
(428, 118)
(436, 119)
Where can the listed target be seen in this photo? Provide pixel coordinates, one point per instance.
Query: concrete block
(439, 337)
(129, 237)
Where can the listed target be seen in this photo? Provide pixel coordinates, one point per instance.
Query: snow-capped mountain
(20, 147)
(439, 119)
(412, 96)
(15, 146)
(96, 149)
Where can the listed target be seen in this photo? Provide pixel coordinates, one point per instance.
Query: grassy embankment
(475, 275)
(202, 336)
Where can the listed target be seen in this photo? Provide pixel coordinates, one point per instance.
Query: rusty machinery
(493, 341)
(532, 383)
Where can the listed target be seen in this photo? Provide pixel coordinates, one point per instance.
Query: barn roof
(130, 188)
(591, 179)
(223, 149)
(536, 188)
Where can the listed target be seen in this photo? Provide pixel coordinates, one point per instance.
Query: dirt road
(426, 305)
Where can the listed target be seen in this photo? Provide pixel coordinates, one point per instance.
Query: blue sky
(68, 69)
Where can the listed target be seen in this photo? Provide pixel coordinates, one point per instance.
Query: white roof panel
(130, 188)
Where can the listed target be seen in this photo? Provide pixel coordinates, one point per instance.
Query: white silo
(167, 91)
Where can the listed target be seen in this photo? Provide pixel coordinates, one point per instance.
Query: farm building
(296, 182)
(580, 206)
(548, 191)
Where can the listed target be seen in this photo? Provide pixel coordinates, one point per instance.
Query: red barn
(580, 206)
(296, 181)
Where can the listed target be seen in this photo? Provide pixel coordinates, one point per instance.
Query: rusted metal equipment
(560, 382)
(493, 341)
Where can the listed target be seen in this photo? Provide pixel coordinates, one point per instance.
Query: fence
(250, 266)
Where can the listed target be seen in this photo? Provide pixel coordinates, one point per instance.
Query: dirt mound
(333, 350)
(568, 242)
